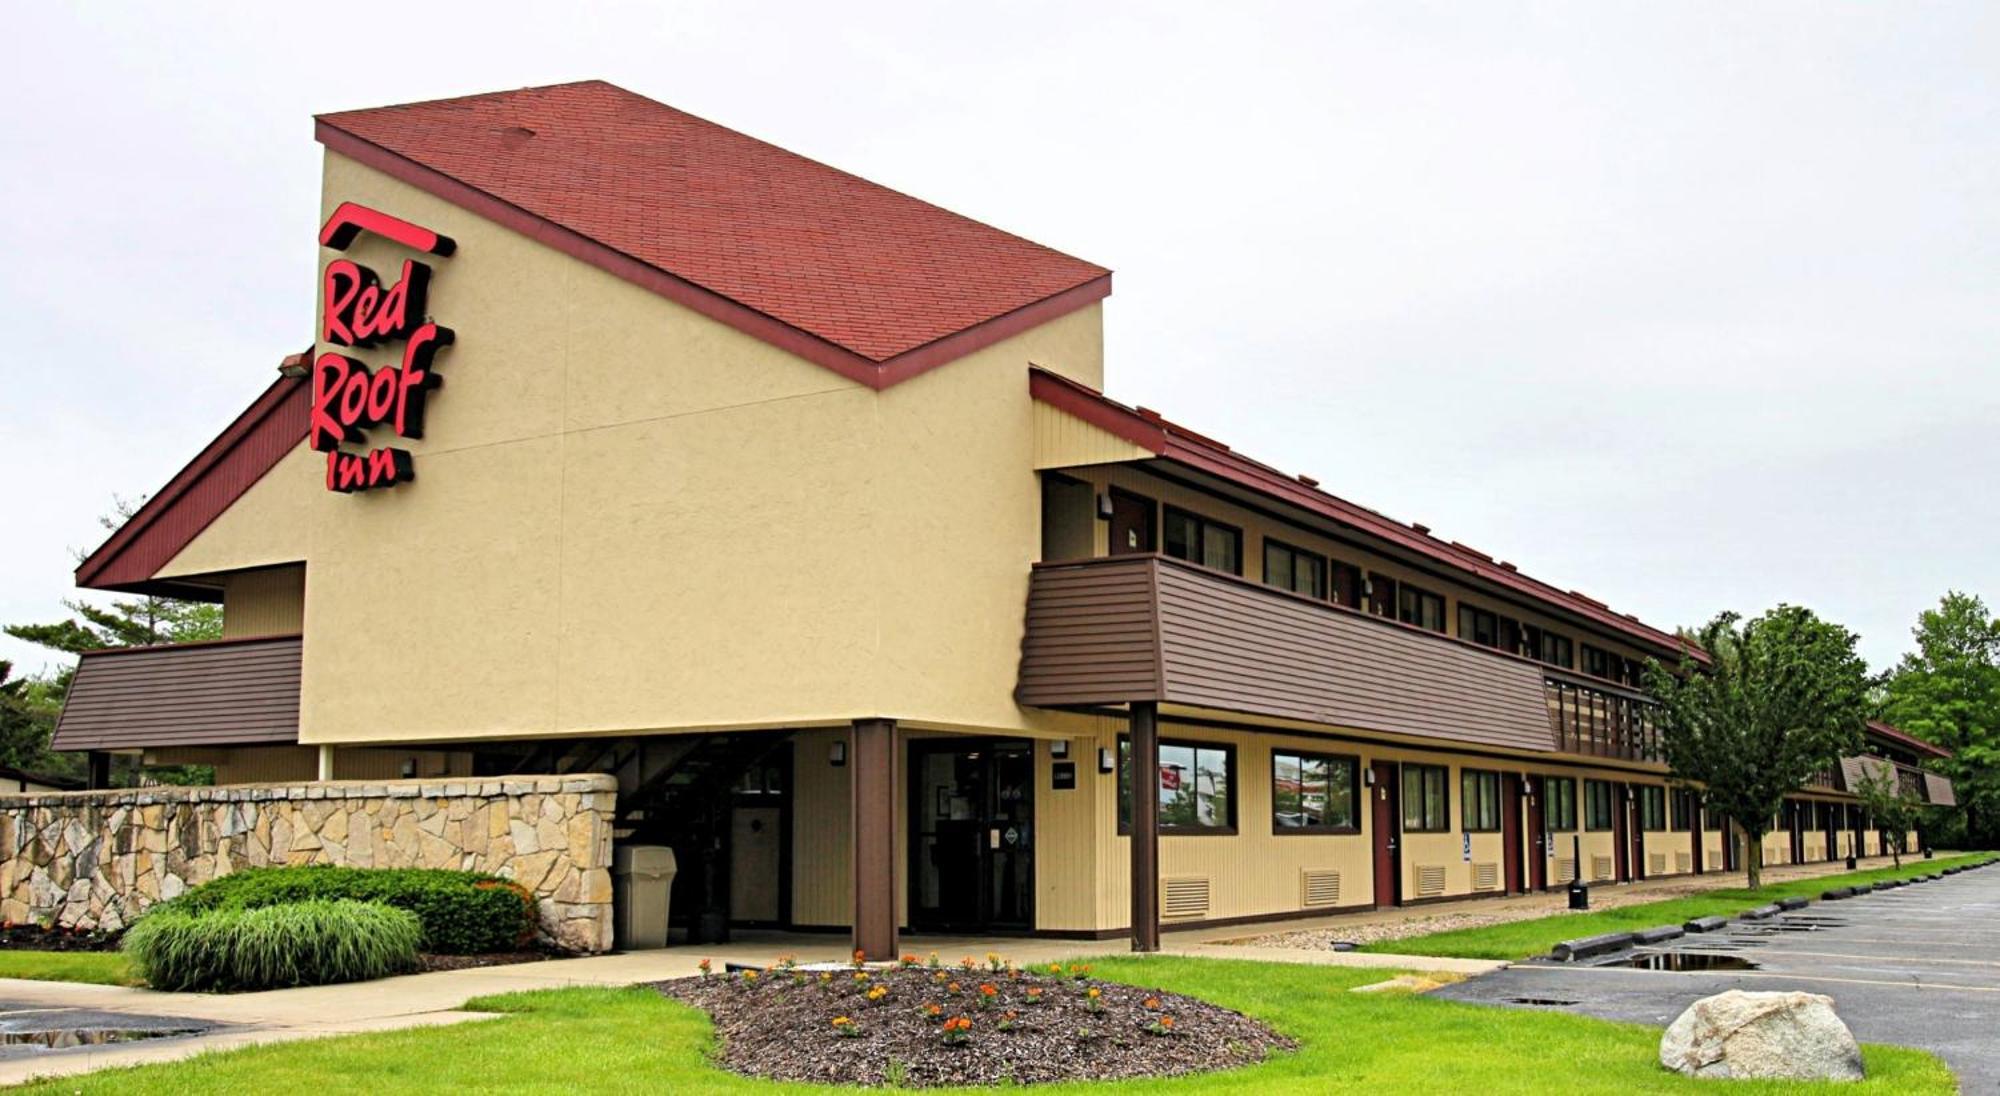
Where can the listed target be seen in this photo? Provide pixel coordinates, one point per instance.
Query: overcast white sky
(1688, 306)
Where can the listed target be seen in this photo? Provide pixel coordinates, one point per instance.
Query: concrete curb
(1587, 946)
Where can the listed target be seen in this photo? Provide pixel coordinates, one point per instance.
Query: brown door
(1636, 828)
(1132, 518)
(1620, 852)
(1510, 831)
(1386, 824)
(1795, 812)
(1698, 824)
(1538, 835)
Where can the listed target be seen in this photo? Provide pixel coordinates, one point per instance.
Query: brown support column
(871, 775)
(1145, 764)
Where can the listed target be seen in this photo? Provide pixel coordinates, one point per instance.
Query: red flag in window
(1170, 778)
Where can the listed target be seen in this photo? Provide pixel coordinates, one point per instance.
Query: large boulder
(1791, 1036)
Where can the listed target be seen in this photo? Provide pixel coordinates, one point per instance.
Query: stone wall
(98, 859)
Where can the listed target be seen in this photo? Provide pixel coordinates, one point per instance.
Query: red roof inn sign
(348, 398)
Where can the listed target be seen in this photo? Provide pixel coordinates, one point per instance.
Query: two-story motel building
(796, 503)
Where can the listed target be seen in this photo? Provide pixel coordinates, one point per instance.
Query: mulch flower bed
(36, 938)
(431, 961)
(969, 1023)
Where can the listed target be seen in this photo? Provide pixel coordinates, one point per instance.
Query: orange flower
(951, 987)
(908, 960)
(988, 989)
(933, 1010)
(1151, 1002)
(1167, 1022)
(841, 1021)
(1092, 993)
(878, 993)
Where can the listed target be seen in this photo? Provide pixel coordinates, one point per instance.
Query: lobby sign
(357, 310)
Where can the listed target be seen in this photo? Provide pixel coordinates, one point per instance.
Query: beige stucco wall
(628, 517)
(266, 601)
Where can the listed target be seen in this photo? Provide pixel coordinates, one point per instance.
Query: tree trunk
(1753, 858)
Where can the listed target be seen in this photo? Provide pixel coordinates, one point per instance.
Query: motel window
(1682, 804)
(1197, 787)
(1478, 625)
(1555, 650)
(1421, 608)
(1426, 799)
(1314, 793)
(1346, 585)
(1381, 591)
(1479, 800)
(1559, 802)
(1596, 805)
(1598, 662)
(1199, 540)
(1294, 569)
(1652, 809)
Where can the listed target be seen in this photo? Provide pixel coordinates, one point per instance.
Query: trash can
(642, 879)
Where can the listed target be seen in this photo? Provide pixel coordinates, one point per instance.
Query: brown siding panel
(1939, 791)
(1096, 627)
(229, 693)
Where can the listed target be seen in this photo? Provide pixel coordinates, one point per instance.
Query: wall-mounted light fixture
(1103, 507)
(836, 754)
(1106, 760)
(1368, 776)
(409, 767)
(1059, 748)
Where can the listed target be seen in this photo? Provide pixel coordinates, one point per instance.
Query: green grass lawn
(633, 1040)
(1522, 939)
(103, 967)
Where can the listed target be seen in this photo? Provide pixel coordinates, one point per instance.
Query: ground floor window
(1479, 800)
(1559, 802)
(1596, 805)
(1426, 799)
(1197, 787)
(1652, 809)
(1681, 818)
(1314, 793)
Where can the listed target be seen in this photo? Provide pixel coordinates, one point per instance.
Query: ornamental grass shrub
(462, 912)
(270, 947)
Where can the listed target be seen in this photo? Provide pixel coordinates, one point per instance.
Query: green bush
(271, 947)
(462, 912)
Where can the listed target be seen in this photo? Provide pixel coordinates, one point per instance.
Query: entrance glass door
(972, 834)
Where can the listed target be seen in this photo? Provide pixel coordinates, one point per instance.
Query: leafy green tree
(1894, 810)
(28, 708)
(1947, 692)
(1784, 698)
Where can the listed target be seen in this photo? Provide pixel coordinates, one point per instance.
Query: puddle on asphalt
(1684, 961)
(65, 1038)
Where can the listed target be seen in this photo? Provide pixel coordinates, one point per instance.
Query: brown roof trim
(855, 367)
(1905, 739)
(1151, 432)
(217, 476)
(196, 644)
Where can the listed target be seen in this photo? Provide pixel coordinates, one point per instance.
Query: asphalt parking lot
(33, 1031)
(1917, 966)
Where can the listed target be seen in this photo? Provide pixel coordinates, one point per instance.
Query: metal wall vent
(1485, 877)
(1319, 887)
(1565, 869)
(1186, 896)
(1683, 862)
(1430, 880)
(1600, 867)
(1656, 864)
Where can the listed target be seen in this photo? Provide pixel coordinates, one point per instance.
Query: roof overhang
(232, 692)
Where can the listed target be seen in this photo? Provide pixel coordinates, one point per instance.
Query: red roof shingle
(866, 269)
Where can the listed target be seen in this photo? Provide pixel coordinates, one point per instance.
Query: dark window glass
(1652, 809)
(1478, 625)
(1556, 650)
(1426, 799)
(1294, 569)
(1682, 805)
(1421, 608)
(1479, 800)
(1596, 805)
(1559, 802)
(1347, 585)
(1197, 787)
(1313, 793)
(1199, 540)
(1381, 595)
(1597, 661)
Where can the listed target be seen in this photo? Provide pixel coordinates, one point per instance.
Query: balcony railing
(1149, 628)
(1602, 720)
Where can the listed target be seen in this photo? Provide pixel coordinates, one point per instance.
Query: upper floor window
(1381, 591)
(1479, 800)
(1598, 662)
(1426, 799)
(1556, 650)
(1346, 583)
(1652, 809)
(1596, 805)
(1559, 802)
(1197, 787)
(1294, 569)
(1681, 806)
(1480, 626)
(1420, 607)
(1314, 793)
(1198, 540)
